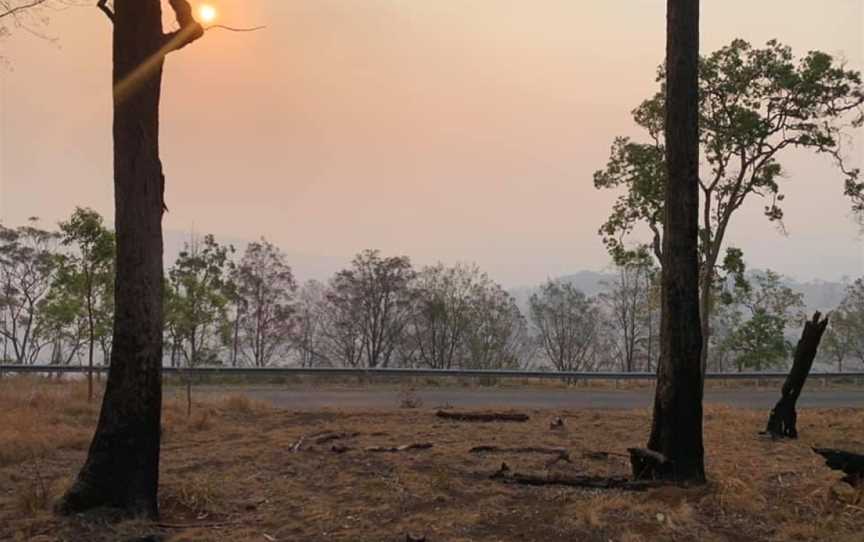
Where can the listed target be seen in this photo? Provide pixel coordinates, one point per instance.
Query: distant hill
(589, 283)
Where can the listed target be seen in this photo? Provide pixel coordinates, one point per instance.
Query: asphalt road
(374, 399)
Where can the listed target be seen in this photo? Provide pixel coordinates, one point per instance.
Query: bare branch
(103, 6)
(16, 9)
(234, 29)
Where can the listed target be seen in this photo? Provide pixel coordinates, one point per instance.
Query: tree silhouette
(122, 466)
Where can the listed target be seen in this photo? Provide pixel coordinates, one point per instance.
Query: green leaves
(754, 104)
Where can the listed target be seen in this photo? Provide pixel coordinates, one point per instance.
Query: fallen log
(782, 423)
(403, 448)
(482, 416)
(508, 476)
(561, 454)
(852, 465)
(329, 437)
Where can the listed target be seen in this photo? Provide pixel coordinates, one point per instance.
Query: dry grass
(228, 474)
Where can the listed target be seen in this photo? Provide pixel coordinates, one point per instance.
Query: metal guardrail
(400, 372)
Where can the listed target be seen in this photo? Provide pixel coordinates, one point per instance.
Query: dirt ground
(229, 473)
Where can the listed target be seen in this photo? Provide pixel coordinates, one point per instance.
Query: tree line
(224, 308)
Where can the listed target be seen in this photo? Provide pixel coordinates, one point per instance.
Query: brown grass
(228, 474)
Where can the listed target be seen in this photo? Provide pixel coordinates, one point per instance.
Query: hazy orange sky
(459, 130)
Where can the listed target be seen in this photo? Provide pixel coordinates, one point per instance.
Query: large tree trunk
(676, 431)
(122, 467)
(783, 419)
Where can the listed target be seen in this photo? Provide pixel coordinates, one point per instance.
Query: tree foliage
(754, 104)
(28, 263)
(844, 340)
(756, 316)
(196, 301)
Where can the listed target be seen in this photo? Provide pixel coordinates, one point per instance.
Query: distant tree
(498, 336)
(28, 264)
(62, 319)
(266, 308)
(845, 336)
(197, 303)
(567, 323)
(631, 306)
(88, 274)
(367, 308)
(754, 104)
(308, 336)
(761, 309)
(443, 313)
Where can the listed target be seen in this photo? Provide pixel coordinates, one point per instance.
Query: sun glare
(207, 13)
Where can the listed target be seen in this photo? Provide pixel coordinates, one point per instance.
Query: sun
(207, 13)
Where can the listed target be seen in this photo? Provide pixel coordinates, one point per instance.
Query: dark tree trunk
(676, 432)
(122, 466)
(783, 419)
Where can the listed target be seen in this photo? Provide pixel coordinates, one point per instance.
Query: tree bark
(676, 431)
(122, 466)
(783, 419)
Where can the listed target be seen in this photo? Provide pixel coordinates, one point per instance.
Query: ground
(229, 473)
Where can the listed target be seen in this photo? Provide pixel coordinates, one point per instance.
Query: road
(373, 399)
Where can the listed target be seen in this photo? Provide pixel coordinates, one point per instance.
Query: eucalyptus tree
(309, 333)
(88, 273)
(844, 340)
(568, 325)
(368, 306)
(122, 466)
(443, 315)
(758, 313)
(28, 266)
(199, 299)
(498, 336)
(631, 307)
(755, 105)
(676, 428)
(265, 293)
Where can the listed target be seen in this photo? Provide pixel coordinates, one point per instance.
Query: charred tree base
(84, 497)
(649, 465)
(782, 423)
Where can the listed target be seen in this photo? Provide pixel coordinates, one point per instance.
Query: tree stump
(783, 419)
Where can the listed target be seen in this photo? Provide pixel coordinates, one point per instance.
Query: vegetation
(212, 490)
(243, 308)
(755, 105)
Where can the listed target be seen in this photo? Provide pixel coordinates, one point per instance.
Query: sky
(451, 130)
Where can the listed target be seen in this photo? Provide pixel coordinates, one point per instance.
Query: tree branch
(103, 7)
(16, 9)
(190, 30)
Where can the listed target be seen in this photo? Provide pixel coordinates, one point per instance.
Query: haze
(445, 130)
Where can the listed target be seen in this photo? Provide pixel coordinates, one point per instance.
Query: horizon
(449, 134)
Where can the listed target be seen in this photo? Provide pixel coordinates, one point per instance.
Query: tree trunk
(676, 432)
(705, 309)
(122, 467)
(782, 422)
